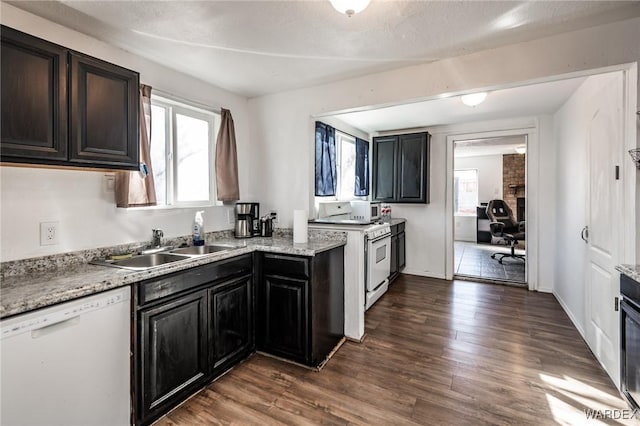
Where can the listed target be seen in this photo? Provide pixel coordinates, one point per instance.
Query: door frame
(531, 212)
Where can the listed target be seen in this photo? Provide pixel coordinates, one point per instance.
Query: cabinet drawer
(171, 284)
(290, 266)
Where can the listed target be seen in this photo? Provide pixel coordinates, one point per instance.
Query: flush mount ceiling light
(521, 149)
(473, 99)
(350, 7)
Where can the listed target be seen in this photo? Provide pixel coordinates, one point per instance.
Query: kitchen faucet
(157, 237)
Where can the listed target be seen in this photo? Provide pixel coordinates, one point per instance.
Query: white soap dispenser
(198, 229)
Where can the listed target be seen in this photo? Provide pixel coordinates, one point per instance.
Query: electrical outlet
(48, 233)
(231, 217)
(274, 215)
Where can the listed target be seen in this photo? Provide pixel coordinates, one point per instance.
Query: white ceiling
(259, 47)
(523, 101)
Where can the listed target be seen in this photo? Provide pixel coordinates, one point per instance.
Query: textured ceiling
(259, 47)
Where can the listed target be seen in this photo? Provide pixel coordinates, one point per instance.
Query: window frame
(172, 108)
(457, 213)
(340, 137)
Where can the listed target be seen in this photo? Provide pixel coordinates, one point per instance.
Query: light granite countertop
(38, 289)
(632, 271)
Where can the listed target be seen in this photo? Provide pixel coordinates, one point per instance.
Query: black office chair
(504, 229)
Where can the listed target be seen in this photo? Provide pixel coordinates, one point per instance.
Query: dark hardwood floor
(436, 352)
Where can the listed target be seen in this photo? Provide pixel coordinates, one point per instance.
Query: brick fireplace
(513, 182)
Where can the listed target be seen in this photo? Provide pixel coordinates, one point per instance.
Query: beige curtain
(132, 189)
(227, 160)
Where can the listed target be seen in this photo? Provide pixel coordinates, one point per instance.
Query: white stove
(367, 261)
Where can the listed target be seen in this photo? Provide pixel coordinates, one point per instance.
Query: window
(346, 165)
(182, 150)
(465, 191)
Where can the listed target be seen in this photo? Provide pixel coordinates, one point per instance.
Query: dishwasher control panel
(53, 315)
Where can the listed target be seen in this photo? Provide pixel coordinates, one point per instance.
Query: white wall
(489, 187)
(489, 174)
(87, 215)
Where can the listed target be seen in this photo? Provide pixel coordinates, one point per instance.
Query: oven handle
(375, 240)
(632, 306)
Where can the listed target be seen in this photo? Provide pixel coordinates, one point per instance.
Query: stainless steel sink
(142, 262)
(200, 250)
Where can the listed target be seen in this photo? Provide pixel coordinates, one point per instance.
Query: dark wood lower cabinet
(174, 339)
(192, 326)
(402, 249)
(301, 305)
(286, 306)
(231, 310)
(398, 250)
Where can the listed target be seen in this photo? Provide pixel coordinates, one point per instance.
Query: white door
(604, 220)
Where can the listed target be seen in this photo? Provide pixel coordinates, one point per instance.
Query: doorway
(489, 209)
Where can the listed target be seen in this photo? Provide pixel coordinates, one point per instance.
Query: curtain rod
(166, 94)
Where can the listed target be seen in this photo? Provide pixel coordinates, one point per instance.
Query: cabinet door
(231, 311)
(173, 341)
(285, 322)
(34, 99)
(402, 249)
(413, 168)
(384, 168)
(104, 114)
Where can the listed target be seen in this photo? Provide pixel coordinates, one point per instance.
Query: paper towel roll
(300, 226)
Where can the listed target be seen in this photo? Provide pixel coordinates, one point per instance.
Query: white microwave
(366, 211)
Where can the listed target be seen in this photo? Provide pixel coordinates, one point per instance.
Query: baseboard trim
(573, 319)
(423, 273)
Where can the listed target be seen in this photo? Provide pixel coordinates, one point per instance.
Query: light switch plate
(48, 233)
(109, 182)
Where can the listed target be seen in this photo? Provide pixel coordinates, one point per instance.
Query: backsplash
(62, 260)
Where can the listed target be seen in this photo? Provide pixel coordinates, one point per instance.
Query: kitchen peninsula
(190, 320)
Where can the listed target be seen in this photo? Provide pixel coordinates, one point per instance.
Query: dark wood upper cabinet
(401, 168)
(384, 168)
(34, 98)
(104, 113)
(64, 108)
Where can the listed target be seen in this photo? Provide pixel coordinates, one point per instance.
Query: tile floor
(474, 260)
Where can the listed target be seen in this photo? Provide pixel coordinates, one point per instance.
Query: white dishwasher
(68, 364)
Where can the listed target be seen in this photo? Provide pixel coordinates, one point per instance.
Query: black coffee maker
(247, 220)
(266, 226)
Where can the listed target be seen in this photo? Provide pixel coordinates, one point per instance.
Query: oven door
(378, 261)
(630, 351)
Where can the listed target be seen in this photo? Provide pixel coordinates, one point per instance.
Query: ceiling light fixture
(350, 7)
(473, 99)
(521, 149)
